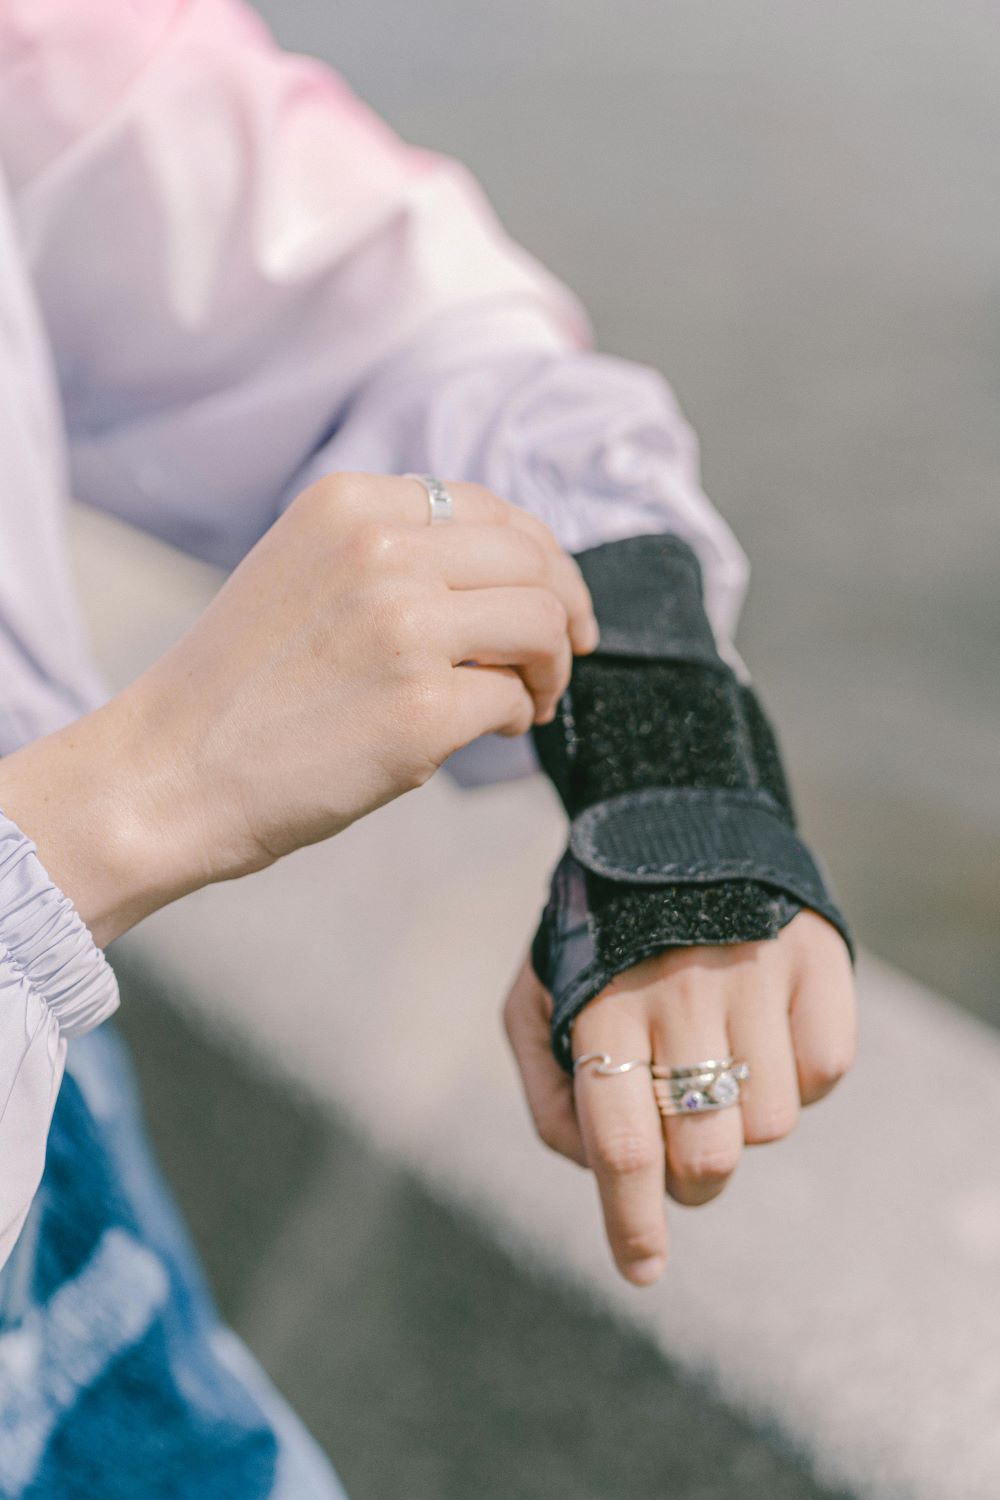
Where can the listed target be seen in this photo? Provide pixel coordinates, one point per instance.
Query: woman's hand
(353, 649)
(785, 1007)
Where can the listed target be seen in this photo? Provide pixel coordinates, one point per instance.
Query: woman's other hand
(353, 649)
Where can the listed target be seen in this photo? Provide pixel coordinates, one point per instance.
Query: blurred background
(792, 211)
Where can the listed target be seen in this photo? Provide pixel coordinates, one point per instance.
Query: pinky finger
(823, 1016)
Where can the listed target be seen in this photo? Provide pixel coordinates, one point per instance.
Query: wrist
(99, 800)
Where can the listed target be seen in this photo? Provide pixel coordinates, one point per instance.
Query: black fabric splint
(683, 830)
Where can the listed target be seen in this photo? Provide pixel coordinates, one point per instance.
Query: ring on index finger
(440, 500)
(603, 1064)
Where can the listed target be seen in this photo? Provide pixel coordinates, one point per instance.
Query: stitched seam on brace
(686, 817)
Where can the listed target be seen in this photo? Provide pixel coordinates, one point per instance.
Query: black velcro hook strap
(687, 835)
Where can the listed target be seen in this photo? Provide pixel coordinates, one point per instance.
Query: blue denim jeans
(117, 1379)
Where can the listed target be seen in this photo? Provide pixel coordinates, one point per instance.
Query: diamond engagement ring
(701, 1087)
(442, 506)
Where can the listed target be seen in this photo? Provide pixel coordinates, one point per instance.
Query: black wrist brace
(682, 827)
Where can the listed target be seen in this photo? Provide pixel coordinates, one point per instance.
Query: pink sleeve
(248, 279)
(226, 244)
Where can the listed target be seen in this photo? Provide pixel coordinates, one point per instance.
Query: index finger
(620, 1125)
(474, 504)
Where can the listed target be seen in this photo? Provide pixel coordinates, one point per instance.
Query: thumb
(547, 1088)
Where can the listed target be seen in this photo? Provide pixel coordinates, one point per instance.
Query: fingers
(547, 1088)
(380, 503)
(760, 1035)
(400, 499)
(475, 505)
(520, 627)
(583, 631)
(487, 700)
(478, 557)
(688, 1020)
(824, 1008)
(472, 504)
(620, 1127)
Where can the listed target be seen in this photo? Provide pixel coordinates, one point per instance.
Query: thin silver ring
(603, 1064)
(442, 505)
(713, 1065)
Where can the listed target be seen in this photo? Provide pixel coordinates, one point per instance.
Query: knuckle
(638, 1244)
(552, 618)
(625, 1153)
(372, 546)
(519, 708)
(824, 1073)
(708, 1166)
(520, 722)
(548, 1129)
(495, 509)
(771, 1124)
(335, 495)
(533, 554)
(424, 704)
(537, 528)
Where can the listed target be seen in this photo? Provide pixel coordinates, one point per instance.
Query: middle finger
(481, 557)
(688, 1023)
(514, 627)
(475, 505)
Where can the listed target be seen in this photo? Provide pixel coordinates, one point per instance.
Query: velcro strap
(686, 835)
(647, 595)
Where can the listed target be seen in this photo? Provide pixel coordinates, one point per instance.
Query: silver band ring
(700, 1088)
(713, 1065)
(603, 1064)
(442, 506)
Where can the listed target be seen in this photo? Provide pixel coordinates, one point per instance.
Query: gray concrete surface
(424, 1357)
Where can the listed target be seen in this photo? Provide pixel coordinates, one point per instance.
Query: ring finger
(689, 1027)
(519, 627)
(483, 557)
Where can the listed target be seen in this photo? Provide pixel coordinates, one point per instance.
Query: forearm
(106, 811)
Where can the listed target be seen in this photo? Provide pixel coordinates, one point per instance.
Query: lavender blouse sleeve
(249, 280)
(597, 447)
(55, 983)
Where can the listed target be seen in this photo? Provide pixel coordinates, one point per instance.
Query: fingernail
(592, 636)
(644, 1272)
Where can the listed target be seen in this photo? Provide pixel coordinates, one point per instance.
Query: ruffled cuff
(44, 940)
